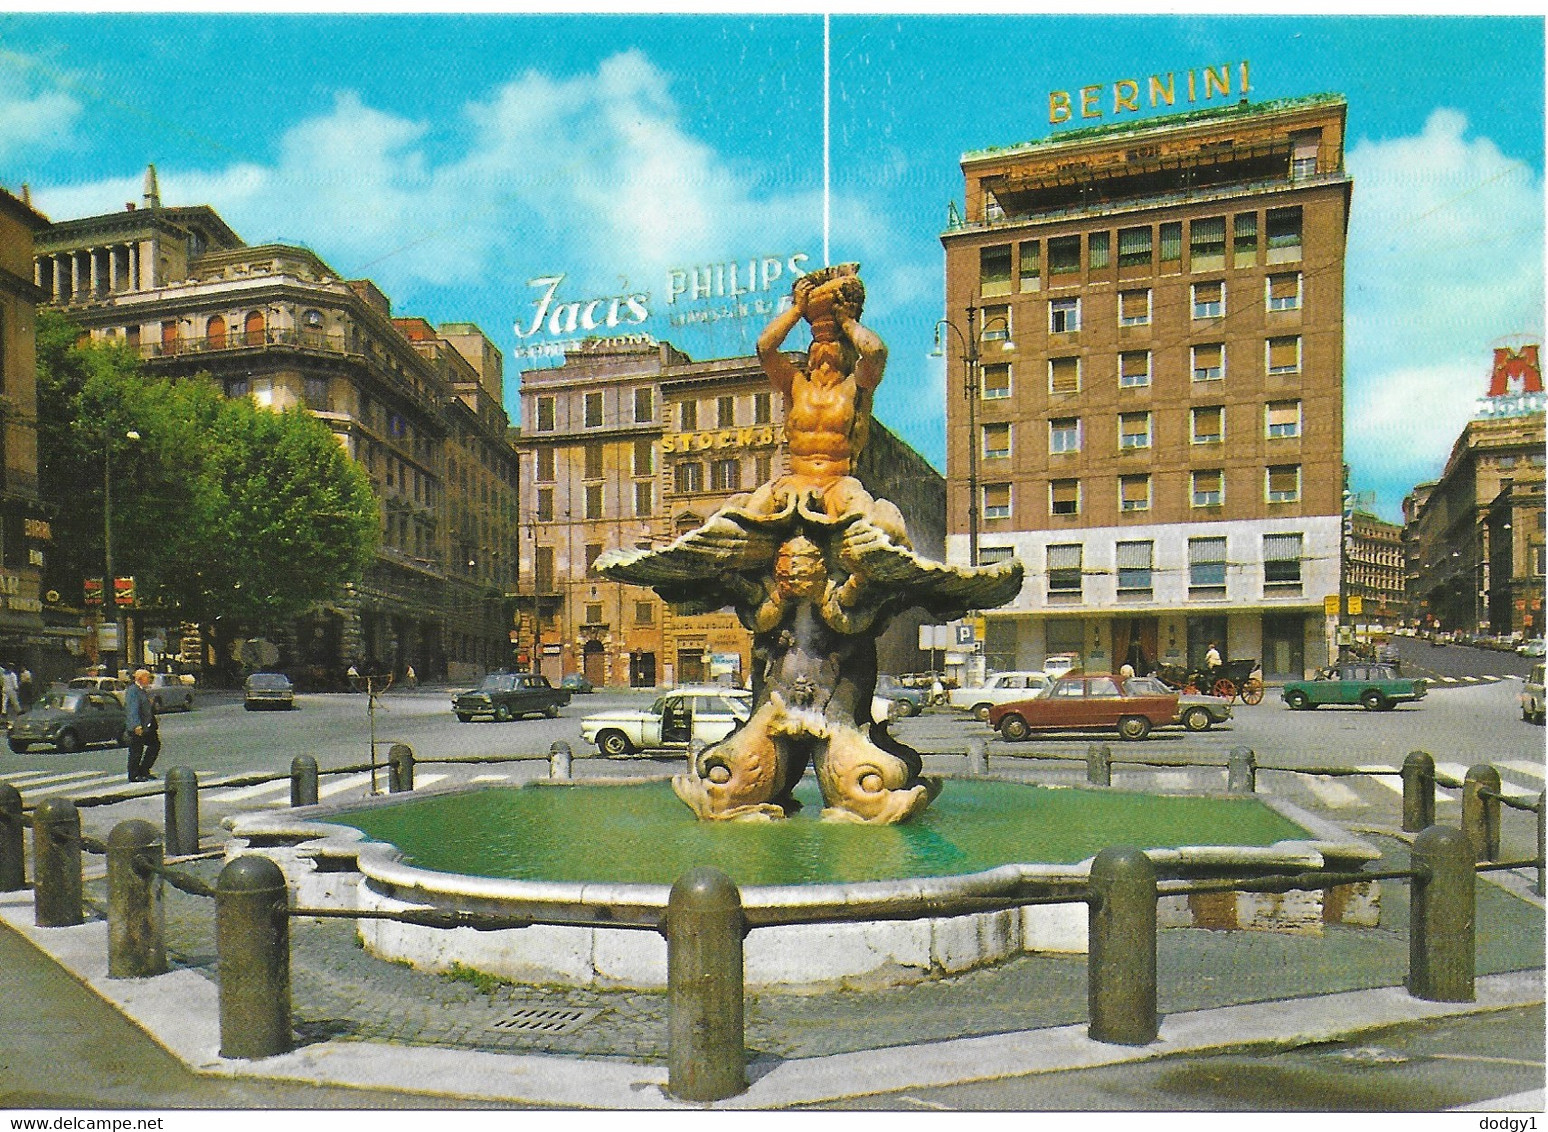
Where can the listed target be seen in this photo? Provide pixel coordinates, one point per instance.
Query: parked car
(504, 696)
(1532, 696)
(1087, 701)
(704, 714)
(909, 701)
(933, 685)
(268, 690)
(1060, 663)
(70, 719)
(577, 685)
(1001, 688)
(1195, 711)
(1532, 648)
(170, 692)
(110, 684)
(1375, 687)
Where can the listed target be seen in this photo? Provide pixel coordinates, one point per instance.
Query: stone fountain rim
(310, 837)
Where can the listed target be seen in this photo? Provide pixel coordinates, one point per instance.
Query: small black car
(505, 696)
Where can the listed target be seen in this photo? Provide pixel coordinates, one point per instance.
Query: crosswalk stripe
(1331, 792)
(96, 785)
(1522, 766)
(1391, 781)
(35, 779)
(427, 780)
(242, 793)
(349, 782)
(490, 778)
(1447, 679)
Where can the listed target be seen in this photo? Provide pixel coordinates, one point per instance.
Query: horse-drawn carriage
(1232, 679)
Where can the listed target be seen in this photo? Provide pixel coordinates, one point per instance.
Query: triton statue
(815, 568)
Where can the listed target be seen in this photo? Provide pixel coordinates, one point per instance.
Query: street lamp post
(109, 593)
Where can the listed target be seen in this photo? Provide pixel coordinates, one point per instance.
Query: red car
(1082, 701)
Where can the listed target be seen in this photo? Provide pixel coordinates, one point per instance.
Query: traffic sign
(1330, 605)
(1356, 604)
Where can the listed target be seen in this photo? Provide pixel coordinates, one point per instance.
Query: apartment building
(1375, 569)
(1157, 308)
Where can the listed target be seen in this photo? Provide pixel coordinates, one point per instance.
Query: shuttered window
(1209, 362)
(1098, 249)
(1209, 299)
(644, 457)
(1208, 424)
(1134, 247)
(1064, 434)
(1064, 497)
(1284, 355)
(997, 441)
(644, 405)
(1208, 488)
(1133, 430)
(997, 501)
(644, 499)
(1031, 266)
(1282, 559)
(593, 461)
(1283, 418)
(1064, 570)
(1284, 483)
(1134, 308)
(996, 382)
(1064, 375)
(1206, 564)
(545, 465)
(1134, 565)
(593, 404)
(545, 414)
(1064, 255)
(1134, 493)
(545, 504)
(994, 270)
(1244, 242)
(1206, 243)
(593, 501)
(1171, 242)
(1134, 368)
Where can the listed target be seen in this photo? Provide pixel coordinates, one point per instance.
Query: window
(593, 610)
(1134, 561)
(1206, 567)
(644, 613)
(1133, 430)
(1208, 299)
(1284, 291)
(1134, 493)
(1303, 153)
(1284, 235)
(313, 389)
(996, 324)
(545, 414)
(1134, 308)
(688, 478)
(989, 555)
(996, 500)
(1209, 488)
(593, 501)
(1283, 418)
(1064, 375)
(593, 410)
(1134, 368)
(1134, 247)
(545, 504)
(1284, 483)
(725, 412)
(1284, 355)
(726, 475)
(1208, 424)
(1064, 571)
(1206, 244)
(1099, 249)
(1171, 243)
(997, 441)
(545, 465)
(543, 569)
(644, 499)
(1209, 362)
(1245, 239)
(1282, 560)
(593, 461)
(1031, 266)
(996, 382)
(762, 408)
(994, 270)
(644, 457)
(1064, 255)
(763, 468)
(1064, 434)
(688, 415)
(644, 405)
(1064, 497)
(1063, 316)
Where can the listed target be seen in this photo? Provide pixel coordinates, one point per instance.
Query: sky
(457, 159)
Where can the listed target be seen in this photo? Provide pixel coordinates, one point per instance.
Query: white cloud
(1445, 257)
(32, 122)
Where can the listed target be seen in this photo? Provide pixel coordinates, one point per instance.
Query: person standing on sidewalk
(140, 722)
(10, 687)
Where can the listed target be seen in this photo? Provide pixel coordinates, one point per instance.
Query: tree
(220, 508)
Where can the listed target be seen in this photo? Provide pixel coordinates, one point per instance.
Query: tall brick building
(1162, 443)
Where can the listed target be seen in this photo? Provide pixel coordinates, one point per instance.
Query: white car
(1060, 663)
(1001, 688)
(700, 714)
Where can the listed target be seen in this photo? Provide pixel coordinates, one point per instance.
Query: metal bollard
(13, 871)
(303, 781)
(400, 769)
(56, 864)
(1121, 963)
(1241, 771)
(978, 756)
(706, 1058)
(1481, 811)
(1418, 791)
(182, 812)
(136, 917)
(559, 756)
(252, 938)
(1442, 905)
(1099, 765)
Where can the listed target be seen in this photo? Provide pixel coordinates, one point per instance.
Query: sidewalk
(367, 1022)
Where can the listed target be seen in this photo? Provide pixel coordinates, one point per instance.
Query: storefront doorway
(1201, 631)
(1135, 641)
(593, 663)
(1284, 646)
(642, 670)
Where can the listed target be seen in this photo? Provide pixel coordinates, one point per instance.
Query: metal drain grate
(545, 1020)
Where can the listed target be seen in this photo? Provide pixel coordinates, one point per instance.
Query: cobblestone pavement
(341, 992)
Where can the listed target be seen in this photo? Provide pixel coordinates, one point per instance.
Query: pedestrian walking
(409, 678)
(140, 722)
(11, 686)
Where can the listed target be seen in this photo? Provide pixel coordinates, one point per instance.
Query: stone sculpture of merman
(815, 568)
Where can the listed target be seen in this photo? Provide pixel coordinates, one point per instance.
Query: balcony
(308, 340)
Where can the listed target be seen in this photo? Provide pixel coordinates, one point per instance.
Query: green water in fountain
(641, 833)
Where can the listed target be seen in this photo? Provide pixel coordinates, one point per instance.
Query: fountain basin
(548, 848)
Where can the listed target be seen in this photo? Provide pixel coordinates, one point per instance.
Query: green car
(1375, 687)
